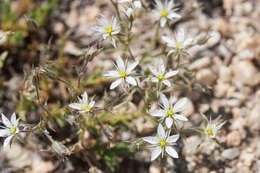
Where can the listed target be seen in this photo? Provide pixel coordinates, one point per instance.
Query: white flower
(10, 130)
(135, 3)
(165, 12)
(179, 44)
(123, 73)
(161, 143)
(161, 75)
(3, 36)
(170, 112)
(212, 128)
(83, 105)
(107, 28)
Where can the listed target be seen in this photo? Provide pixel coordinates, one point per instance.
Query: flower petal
(84, 97)
(171, 73)
(153, 70)
(111, 74)
(120, 64)
(154, 80)
(173, 15)
(7, 141)
(170, 42)
(158, 113)
(77, 106)
(169, 122)
(131, 67)
(179, 105)
(171, 152)
(91, 104)
(137, 4)
(155, 153)
(14, 121)
(161, 131)
(122, 1)
(116, 83)
(6, 122)
(4, 132)
(164, 101)
(173, 138)
(163, 21)
(105, 36)
(131, 80)
(180, 117)
(180, 35)
(167, 83)
(151, 139)
(161, 66)
(187, 42)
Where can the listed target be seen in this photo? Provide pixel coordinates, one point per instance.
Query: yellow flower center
(160, 77)
(178, 45)
(109, 30)
(170, 113)
(162, 143)
(164, 13)
(210, 132)
(122, 74)
(86, 108)
(13, 130)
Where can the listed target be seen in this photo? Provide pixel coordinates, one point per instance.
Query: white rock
(230, 153)
(72, 18)
(154, 169)
(254, 118)
(214, 39)
(70, 48)
(245, 73)
(200, 63)
(234, 138)
(221, 89)
(206, 76)
(225, 73)
(189, 108)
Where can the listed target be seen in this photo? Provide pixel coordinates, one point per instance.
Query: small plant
(95, 125)
(10, 19)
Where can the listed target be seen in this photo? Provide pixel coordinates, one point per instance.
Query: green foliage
(10, 18)
(7, 14)
(39, 15)
(109, 154)
(17, 37)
